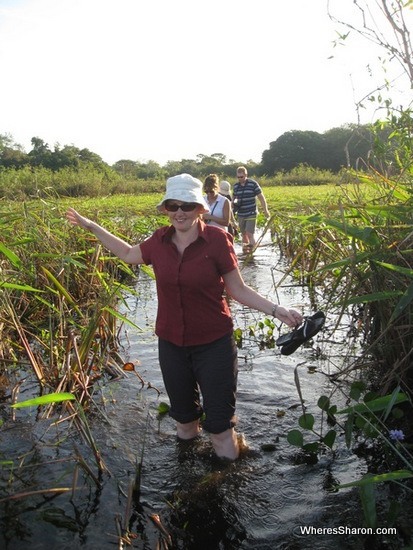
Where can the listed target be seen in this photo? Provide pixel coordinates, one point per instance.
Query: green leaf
(404, 302)
(378, 478)
(348, 430)
(311, 447)
(238, 337)
(295, 437)
(44, 400)
(360, 422)
(391, 403)
(306, 421)
(368, 502)
(396, 268)
(121, 317)
(375, 297)
(371, 429)
(347, 262)
(330, 438)
(11, 256)
(356, 389)
(61, 289)
(370, 396)
(407, 297)
(14, 286)
(148, 270)
(163, 407)
(323, 403)
(375, 405)
(367, 235)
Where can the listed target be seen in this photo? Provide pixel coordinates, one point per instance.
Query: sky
(172, 79)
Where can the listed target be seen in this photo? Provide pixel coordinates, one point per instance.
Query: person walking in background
(225, 191)
(246, 191)
(219, 206)
(194, 264)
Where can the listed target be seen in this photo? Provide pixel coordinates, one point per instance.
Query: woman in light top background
(219, 206)
(225, 191)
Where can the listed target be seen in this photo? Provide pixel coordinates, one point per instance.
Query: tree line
(348, 146)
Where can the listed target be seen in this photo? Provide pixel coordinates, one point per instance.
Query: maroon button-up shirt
(192, 309)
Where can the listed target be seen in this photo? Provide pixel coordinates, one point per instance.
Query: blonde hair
(212, 181)
(242, 169)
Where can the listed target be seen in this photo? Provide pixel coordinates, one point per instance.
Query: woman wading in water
(194, 264)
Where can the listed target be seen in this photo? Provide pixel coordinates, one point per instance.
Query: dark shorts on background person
(247, 225)
(211, 368)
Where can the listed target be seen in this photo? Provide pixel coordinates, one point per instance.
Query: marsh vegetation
(62, 297)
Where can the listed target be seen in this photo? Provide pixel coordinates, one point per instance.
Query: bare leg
(245, 239)
(251, 239)
(226, 444)
(189, 430)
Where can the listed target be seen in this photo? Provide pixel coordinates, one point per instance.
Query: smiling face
(182, 218)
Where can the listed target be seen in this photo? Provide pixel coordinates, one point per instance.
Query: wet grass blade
(375, 405)
(61, 289)
(368, 502)
(121, 317)
(44, 400)
(379, 478)
(11, 256)
(23, 288)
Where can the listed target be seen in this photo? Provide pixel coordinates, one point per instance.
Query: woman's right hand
(75, 218)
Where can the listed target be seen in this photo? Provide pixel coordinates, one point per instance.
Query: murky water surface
(264, 500)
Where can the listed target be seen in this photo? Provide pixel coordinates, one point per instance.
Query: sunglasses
(185, 207)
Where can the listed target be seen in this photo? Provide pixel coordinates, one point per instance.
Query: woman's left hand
(290, 317)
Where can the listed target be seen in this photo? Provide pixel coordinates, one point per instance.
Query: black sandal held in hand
(291, 341)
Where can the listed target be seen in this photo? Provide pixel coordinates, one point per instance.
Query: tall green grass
(354, 239)
(89, 181)
(59, 290)
(357, 244)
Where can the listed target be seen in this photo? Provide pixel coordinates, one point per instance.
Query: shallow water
(261, 501)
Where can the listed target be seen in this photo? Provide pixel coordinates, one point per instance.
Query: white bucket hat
(224, 187)
(184, 188)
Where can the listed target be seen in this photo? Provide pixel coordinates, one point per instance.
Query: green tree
(292, 149)
(12, 155)
(126, 168)
(40, 155)
(184, 166)
(349, 146)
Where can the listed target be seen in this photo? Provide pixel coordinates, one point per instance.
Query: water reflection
(261, 501)
(203, 502)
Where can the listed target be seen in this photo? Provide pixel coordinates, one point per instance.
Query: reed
(357, 247)
(59, 293)
(59, 288)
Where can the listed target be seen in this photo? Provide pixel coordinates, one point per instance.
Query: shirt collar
(202, 232)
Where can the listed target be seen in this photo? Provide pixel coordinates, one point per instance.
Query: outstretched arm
(126, 252)
(244, 294)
